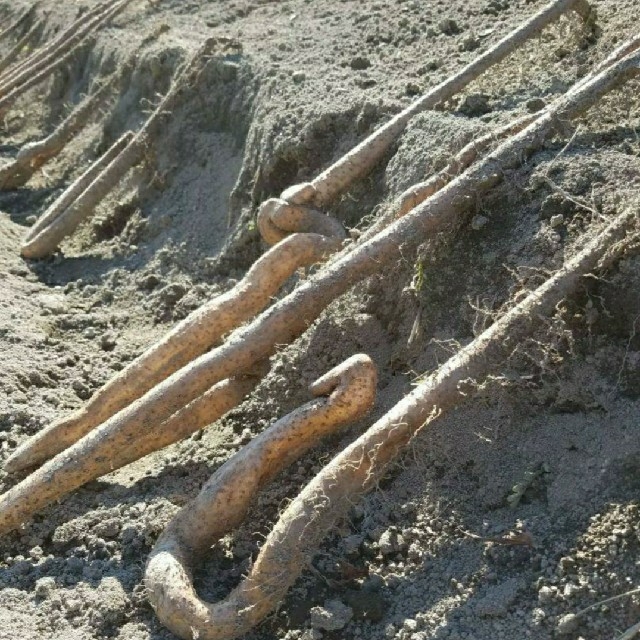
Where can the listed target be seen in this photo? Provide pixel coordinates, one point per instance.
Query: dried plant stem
(18, 84)
(53, 50)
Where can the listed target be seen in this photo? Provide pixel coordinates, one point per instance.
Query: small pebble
(45, 587)
(567, 624)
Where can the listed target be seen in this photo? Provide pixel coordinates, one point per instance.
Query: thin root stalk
(289, 318)
(225, 498)
(357, 469)
(32, 156)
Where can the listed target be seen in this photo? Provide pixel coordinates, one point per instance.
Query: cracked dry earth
(430, 553)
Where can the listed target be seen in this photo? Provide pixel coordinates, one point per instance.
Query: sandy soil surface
(417, 558)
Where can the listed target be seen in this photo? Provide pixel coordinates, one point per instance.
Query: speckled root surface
(511, 515)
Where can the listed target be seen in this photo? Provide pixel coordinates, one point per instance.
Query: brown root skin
(33, 155)
(350, 474)
(110, 447)
(224, 500)
(190, 338)
(58, 218)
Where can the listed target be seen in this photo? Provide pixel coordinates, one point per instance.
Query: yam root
(290, 317)
(225, 498)
(357, 469)
(26, 17)
(52, 56)
(48, 238)
(60, 216)
(110, 447)
(31, 35)
(190, 338)
(32, 156)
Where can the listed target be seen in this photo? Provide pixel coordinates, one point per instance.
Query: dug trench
(558, 420)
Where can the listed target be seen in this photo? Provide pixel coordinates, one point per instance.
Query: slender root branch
(225, 498)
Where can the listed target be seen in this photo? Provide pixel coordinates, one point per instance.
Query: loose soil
(417, 558)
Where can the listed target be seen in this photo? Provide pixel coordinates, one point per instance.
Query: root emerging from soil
(224, 500)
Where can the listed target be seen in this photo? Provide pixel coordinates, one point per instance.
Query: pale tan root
(48, 55)
(18, 48)
(362, 158)
(225, 498)
(56, 216)
(276, 219)
(32, 156)
(289, 318)
(49, 238)
(112, 446)
(192, 337)
(357, 469)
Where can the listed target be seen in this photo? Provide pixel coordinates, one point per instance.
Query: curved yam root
(32, 156)
(224, 500)
(190, 338)
(110, 447)
(350, 474)
(67, 212)
(362, 158)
